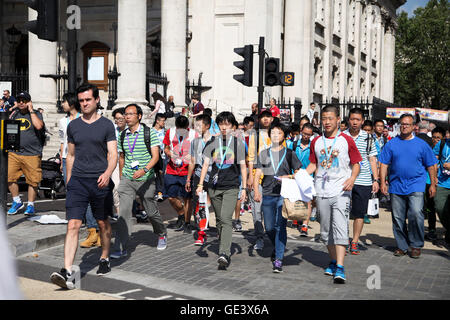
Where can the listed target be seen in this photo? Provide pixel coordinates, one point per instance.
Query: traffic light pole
(3, 169)
(261, 54)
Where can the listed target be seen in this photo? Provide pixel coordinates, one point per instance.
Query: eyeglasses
(120, 119)
(129, 114)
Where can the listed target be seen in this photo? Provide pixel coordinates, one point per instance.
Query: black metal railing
(19, 81)
(158, 82)
(113, 75)
(192, 88)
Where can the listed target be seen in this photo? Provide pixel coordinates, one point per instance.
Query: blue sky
(412, 5)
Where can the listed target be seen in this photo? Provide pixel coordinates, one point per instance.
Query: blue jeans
(275, 224)
(408, 207)
(90, 220)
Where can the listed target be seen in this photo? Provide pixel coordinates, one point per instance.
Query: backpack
(146, 138)
(41, 134)
(441, 148)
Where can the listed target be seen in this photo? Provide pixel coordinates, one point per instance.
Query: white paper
(305, 183)
(48, 219)
(290, 190)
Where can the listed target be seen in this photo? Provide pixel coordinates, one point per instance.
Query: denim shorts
(84, 191)
(174, 187)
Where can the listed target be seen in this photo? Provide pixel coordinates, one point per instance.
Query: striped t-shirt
(139, 153)
(362, 142)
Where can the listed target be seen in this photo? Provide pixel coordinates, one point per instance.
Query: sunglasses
(23, 100)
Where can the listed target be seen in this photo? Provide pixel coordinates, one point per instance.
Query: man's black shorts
(81, 192)
(360, 201)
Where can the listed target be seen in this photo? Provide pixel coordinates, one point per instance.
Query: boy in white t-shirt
(335, 161)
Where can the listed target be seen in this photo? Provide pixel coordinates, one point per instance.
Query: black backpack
(146, 138)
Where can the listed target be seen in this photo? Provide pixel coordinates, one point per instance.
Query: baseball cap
(24, 95)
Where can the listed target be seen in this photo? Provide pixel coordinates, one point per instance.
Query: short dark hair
(159, 116)
(248, 119)
(406, 115)
(265, 113)
(279, 125)
(312, 103)
(295, 127)
(356, 111)
(88, 86)
(195, 96)
(205, 118)
(181, 122)
(304, 118)
(438, 130)
(308, 126)
(378, 120)
(118, 110)
(226, 116)
(331, 108)
(138, 109)
(367, 123)
(72, 100)
(207, 111)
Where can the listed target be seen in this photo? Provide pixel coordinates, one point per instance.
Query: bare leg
(71, 243)
(32, 193)
(105, 235)
(357, 229)
(13, 188)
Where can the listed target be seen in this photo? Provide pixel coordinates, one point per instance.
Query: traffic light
(272, 72)
(246, 65)
(46, 25)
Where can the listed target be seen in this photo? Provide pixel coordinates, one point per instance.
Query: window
(95, 64)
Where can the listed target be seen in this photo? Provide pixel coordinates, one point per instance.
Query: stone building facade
(338, 49)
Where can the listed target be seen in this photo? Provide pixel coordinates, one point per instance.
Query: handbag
(297, 210)
(374, 206)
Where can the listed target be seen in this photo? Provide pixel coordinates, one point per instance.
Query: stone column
(173, 47)
(357, 71)
(131, 52)
(388, 60)
(41, 60)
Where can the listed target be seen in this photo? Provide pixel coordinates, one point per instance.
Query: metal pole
(261, 53)
(72, 48)
(3, 169)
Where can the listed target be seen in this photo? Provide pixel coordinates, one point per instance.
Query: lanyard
(279, 163)
(223, 154)
(328, 155)
(68, 118)
(134, 144)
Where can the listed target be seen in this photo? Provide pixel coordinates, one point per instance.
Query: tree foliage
(422, 61)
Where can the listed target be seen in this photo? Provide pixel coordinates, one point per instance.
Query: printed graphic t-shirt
(333, 170)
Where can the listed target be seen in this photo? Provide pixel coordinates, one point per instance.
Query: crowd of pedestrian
(109, 169)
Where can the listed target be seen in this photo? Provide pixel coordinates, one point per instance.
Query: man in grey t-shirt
(27, 160)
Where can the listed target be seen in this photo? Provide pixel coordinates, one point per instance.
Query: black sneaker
(431, 235)
(188, 228)
(224, 261)
(180, 224)
(103, 267)
(61, 279)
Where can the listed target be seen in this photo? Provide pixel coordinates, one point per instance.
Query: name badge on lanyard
(134, 164)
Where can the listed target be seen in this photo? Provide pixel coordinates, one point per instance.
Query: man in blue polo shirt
(442, 198)
(409, 158)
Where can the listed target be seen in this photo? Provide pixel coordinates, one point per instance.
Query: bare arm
(432, 173)
(373, 165)
(257, 196)
(311, 168)
(121, 162)
(69, 160)
(348, 184)
(155, 158)
(103, 180)
(383, 174)
(203, 175)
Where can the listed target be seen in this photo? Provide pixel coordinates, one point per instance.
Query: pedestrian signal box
(10, 135)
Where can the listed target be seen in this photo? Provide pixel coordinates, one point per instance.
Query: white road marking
(120, 295)
(158, 298)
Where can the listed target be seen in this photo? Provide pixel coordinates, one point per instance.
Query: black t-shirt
(30, 145)
(91, 150)
(286, 164)
(225, 154)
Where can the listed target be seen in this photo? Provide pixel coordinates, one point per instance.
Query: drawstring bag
(297, 210)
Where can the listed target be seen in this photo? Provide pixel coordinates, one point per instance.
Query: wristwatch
(376, 180)
(146, 170)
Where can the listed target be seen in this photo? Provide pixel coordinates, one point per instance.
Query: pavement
(190, 272)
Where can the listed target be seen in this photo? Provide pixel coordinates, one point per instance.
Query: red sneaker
(354, 248)
(201, 239)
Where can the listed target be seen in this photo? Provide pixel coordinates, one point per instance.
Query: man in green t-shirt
(136, 165)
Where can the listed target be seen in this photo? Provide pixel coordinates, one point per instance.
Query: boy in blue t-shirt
(441, 199)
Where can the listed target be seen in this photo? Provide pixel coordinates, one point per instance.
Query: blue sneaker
(339, 276)
(118, 254)
(16, 206)
(29, 211)
(331, 270)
